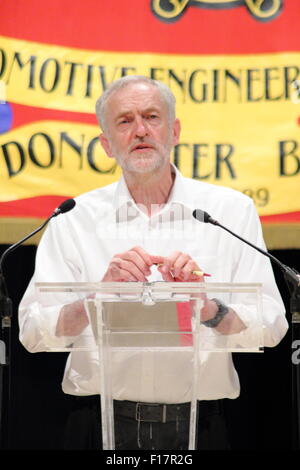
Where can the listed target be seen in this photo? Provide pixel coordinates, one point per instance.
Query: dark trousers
(83, 428)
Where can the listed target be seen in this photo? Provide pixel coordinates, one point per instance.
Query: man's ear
(176, 131)
(105, 144)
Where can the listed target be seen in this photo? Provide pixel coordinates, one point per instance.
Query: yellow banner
(59, 77)
(239, 113)
(53, 158)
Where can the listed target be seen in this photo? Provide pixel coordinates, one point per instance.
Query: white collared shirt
(78, 247)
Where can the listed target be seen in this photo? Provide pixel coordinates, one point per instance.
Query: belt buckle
(138, 412)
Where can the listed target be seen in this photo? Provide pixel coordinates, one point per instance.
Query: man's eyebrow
(152, 109)
(122, 113)
(125, 112)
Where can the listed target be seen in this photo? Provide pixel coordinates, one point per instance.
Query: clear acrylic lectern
(136, 332)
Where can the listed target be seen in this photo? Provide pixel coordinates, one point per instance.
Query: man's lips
(142, 147)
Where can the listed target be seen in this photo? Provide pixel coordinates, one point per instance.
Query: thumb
(166, 275)
(157, 259)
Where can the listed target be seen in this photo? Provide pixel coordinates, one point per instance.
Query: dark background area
(35, 414)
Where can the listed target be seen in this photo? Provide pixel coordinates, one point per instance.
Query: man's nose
(141, 129)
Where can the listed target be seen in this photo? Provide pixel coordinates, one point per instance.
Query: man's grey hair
(165, 93)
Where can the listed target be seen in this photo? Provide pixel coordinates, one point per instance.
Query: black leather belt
(152, 412)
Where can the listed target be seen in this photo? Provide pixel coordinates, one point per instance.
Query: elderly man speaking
(139, 131)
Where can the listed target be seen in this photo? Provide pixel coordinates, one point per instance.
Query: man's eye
(152, 116)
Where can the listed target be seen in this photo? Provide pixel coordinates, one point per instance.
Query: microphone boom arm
(15, 245)
(291, 275)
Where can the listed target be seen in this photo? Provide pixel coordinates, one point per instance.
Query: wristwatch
(222, 311)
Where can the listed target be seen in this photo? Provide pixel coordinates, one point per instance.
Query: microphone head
(201, 216)
(65, 206)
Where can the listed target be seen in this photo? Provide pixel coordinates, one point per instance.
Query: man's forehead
(140, 93)
(140, 87)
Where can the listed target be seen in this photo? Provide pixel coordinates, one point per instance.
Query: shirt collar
(180, 191)
(122, 195)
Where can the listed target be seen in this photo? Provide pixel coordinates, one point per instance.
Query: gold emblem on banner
(172, 10)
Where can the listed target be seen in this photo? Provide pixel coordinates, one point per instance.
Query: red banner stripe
(40, 207)
(23, 115)
(131, 26)
(289, 217)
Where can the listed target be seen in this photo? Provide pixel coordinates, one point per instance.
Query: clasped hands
(132, 265)
(135, 265)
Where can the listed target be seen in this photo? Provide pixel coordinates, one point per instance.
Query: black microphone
(64, 207)
(5, 302)
(291, 276)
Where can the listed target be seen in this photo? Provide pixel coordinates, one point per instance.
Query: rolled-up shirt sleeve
(39, 312)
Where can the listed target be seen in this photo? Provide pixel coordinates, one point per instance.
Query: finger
(157, 259)
(116, 274)
(143, 254)
(187, 271)
(167, 276)
(169, 261)
(131, 268)
(126, 276)
(179, 264)
(135, 258)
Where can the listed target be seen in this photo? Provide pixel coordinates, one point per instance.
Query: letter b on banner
(289, 161)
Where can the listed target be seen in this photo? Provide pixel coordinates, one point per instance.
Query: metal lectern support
(106, 397)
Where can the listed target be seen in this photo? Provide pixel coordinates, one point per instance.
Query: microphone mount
(6, 312)
(5, 301)
(291, 275)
